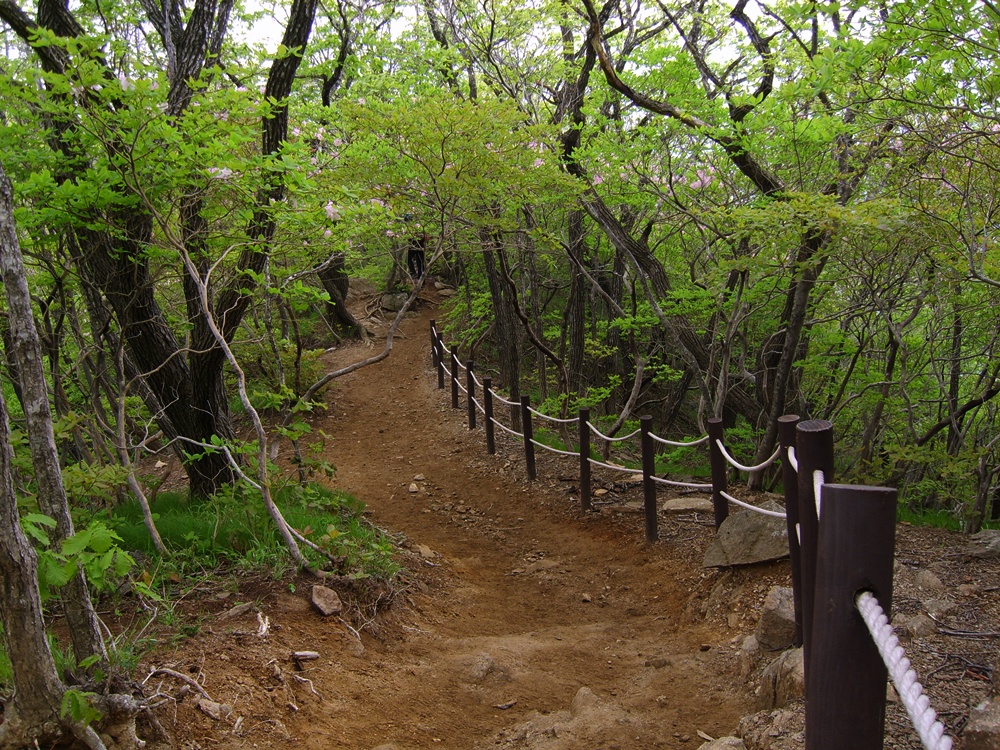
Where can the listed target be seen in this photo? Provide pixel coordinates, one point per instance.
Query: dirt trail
(518, 603)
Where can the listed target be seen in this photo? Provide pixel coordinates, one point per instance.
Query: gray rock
(776, 627)
(773, 730)
(326, 601)
(918, 626)
(783, 680)
(394, 301)
(985, 545)
(724, 743)
(928, 580)
(940, 607)
(983, 730)
(746, 538)
(689, 504)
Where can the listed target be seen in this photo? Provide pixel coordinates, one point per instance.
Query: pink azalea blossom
(598, 180)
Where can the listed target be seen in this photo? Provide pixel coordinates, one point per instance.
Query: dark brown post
(585, 461)
(846, 677)
(470, 387)
(648, 485)
(454, 377)
(720, 470)
(491, 445)
(789, 478)
(440, 362)
(813, 451)
(529, 447)
(434, 344)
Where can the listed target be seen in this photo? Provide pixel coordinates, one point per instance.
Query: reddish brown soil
(514, 601)
(513, 604)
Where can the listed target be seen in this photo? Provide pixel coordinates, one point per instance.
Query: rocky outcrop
(776, 627)
(783, 680)
(747, 537)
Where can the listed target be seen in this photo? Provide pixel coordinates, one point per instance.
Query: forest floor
(520, 622)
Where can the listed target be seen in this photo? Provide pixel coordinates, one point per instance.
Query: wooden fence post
(529, 447)
(648, 486)
(585, 461)
(814, 452)
(434, 344)
(454, 377)
(720, 471)
(491, 446)
(440, 362)
(846, 676)
(470, 387)
(790, 480)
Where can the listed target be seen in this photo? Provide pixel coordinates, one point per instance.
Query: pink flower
(327, 234)
(704, 179)
(337, 142)
(598, 180)
(331, 211)
(538, 162)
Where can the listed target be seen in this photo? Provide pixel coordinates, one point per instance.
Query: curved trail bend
(528, 624)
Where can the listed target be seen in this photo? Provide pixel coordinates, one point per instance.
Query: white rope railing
(741, 467)
(595, 462)
(792, 461)
(610, 439)
(818, 481)
(910, 691)
(461, 387)
(479, 406)
(477, 381)
(461, 366)
(554, 450)
(678, 444)
(689, 485)
(504, 401)
(553, 419)
(754, 508)
(505, 428)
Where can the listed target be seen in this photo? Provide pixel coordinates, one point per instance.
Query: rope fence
(910, 692)
(840, 537)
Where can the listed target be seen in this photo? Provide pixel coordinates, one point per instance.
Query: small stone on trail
(425, 551)
(326, 601)
(927, 580)
(217, 711)
(600, 492)
(586, 598)
(418, 478)
(414, 488)
(237, 611)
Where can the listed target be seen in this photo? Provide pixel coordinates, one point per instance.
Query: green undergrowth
(939, 519)
(233, 530)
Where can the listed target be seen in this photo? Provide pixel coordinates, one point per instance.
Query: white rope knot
(911, 692)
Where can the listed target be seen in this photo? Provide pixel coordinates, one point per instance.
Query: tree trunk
(505, 332)
(80, 616)
(333, 276)
(33, 712)
(576, 306)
